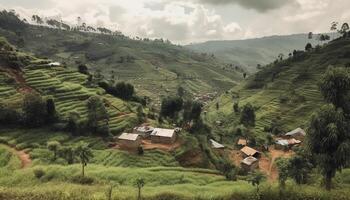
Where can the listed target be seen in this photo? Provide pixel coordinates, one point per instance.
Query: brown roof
(249, 160)
(249, 151)
(242, 142)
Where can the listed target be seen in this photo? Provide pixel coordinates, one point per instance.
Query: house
(143, 131)
(250, 163)
(160, 135)
(285, 144)
(242, 142)
(298, 133)
(247, 151)
(129, 140)
(216, 145)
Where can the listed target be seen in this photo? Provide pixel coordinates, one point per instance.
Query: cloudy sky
(186, 21)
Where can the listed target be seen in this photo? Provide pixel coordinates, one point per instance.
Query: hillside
(284, 94)
(248, 53)
(155, 67)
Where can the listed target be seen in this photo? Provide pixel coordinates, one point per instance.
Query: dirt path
(148, 145)
(267, 164)
(22, 155)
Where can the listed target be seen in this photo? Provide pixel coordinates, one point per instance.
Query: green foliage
(171, 106)
(248, 115)
(34, 109)
(283, 166)
(54, 147)
(38, 173)
(97, 112)
(328, 140)
(335, 85)
(84, 154)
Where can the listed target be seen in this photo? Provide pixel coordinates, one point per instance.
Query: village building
(143, 131)
(216, 145)
(249, 163)
(129, 140)
(285, 144)
(248, 151)
(298, 133)
(242, 142)
(160, 135)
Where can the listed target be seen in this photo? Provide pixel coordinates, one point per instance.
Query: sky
(193, 21)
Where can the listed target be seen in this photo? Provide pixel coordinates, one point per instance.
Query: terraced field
(8, 92)
(70, 95)
(290, 97)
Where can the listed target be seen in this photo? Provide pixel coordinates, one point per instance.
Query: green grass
(8, 160)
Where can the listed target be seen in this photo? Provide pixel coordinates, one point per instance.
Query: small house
(248, 151)
(242, 142)
(143, 131)
(129, 140)
(285, 144)
(216, 145)
(160, 135)
(250, 163)
(298, 133)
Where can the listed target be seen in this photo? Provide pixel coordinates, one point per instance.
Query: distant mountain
(248, 53)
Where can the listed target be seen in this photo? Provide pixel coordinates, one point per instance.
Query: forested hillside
(251, 52)
(284, 94)
(155, 67)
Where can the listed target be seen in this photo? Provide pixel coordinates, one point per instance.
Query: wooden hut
(129, 140)
(165, 136)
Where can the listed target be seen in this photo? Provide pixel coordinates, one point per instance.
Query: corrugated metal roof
(249, 160)
(144, 129)
(216, 145)
(282, 142)
(249, 151)
(242, 142)
(161, 132)
(296, 131)
(128, 136)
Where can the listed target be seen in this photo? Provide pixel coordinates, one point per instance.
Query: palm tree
(140, 182)
(84, 154)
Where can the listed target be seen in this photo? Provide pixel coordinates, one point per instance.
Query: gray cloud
(258, 5)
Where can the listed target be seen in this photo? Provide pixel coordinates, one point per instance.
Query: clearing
(22, 155)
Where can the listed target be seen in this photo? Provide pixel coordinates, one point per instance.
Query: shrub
(38, 173)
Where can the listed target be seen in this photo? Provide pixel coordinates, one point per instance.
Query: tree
(96, 112)
(35, 110)
(323, 37)
(180, 91)
(139, 183)
(124, 90)
(72, 124)
(51, 109)
(217, 105)
(308, 47)
(310, 35)
(84, 154)
(248, 115)
(280, 56)
(54, 147)
(83, 69)
(244, 75)
(300, 167)
(344, 29)
(255, 178)
(140, 114)
(328, 140)
(334, 27)
(170, 106)
(283, 171)
(334, 87)
(236, 107)
(67, 153)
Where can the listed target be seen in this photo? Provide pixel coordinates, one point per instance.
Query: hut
(249, 163)
(143, 131)
(216, 145)
(247, 151)
(129, 140)
(285, 144)
(242, 142)
(160, 135)
(298, 134)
